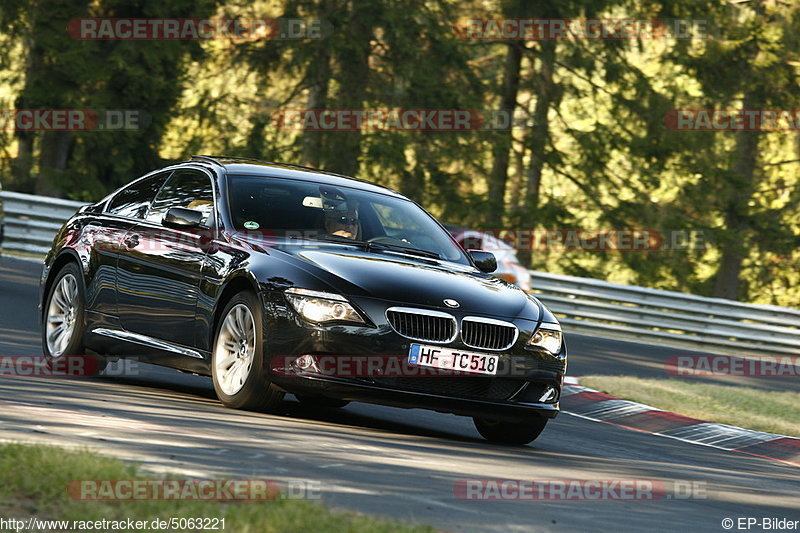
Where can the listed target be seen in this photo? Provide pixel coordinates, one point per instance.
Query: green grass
(34, 480)
(773, 412)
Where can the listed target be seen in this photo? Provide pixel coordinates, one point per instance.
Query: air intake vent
(488, 334)
(459, 387)
(422, 325)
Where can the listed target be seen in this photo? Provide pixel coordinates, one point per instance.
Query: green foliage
(590, 149)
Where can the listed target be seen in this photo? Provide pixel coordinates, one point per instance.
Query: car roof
(256, 167)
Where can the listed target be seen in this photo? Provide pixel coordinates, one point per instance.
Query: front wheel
(237, 362)
(63, 326)
(63, 316)
(514, 433)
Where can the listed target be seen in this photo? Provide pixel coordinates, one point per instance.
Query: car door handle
(132, 241)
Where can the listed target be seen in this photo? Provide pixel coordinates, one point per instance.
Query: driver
(342, 222)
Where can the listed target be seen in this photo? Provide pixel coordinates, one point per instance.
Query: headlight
(548, 336)
(319, 306)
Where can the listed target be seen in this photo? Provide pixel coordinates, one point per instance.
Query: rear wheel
(320, 402)
(237, 362)
(515, 433)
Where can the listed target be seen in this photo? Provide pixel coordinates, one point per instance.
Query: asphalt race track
(393, 462)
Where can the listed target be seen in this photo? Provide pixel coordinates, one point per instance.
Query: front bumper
(530, 384)
(370, 393)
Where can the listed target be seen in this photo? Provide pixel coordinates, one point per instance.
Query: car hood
(404, 280)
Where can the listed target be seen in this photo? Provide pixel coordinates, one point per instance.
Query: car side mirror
(485, 261)
(182, 218)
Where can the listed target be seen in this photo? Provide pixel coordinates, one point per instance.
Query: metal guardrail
(32, 221)
(583, 305)
(604, 309)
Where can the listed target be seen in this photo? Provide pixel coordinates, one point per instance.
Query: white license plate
(450, 359)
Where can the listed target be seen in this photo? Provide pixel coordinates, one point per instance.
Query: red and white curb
(599, 407)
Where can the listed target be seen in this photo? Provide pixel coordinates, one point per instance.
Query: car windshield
(317, 211)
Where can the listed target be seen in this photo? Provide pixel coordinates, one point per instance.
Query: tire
(67, 291)
(63, 316)
(320, 402)
(513, 433)
(239, 342)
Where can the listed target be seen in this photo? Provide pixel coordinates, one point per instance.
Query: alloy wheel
(62, 312)
(235, 349)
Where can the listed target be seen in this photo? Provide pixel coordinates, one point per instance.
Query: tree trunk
(23, 164)
(413, 182)
(727, 281)
(501, 151)
(53, 160)
(352, 59)
(313, 141)
(537, 141)
(516, 179)
(319, 86)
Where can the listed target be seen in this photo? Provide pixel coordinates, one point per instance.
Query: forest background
(578, 132)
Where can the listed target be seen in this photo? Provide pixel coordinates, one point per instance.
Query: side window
(134, 200)
(185, 188)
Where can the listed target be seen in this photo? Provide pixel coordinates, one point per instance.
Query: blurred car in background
(508, 265)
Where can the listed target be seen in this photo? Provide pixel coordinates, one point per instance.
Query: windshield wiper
(342, 240)
(404, 249)
(369, 246)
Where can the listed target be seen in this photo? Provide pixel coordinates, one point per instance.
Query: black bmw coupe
(274, 278)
